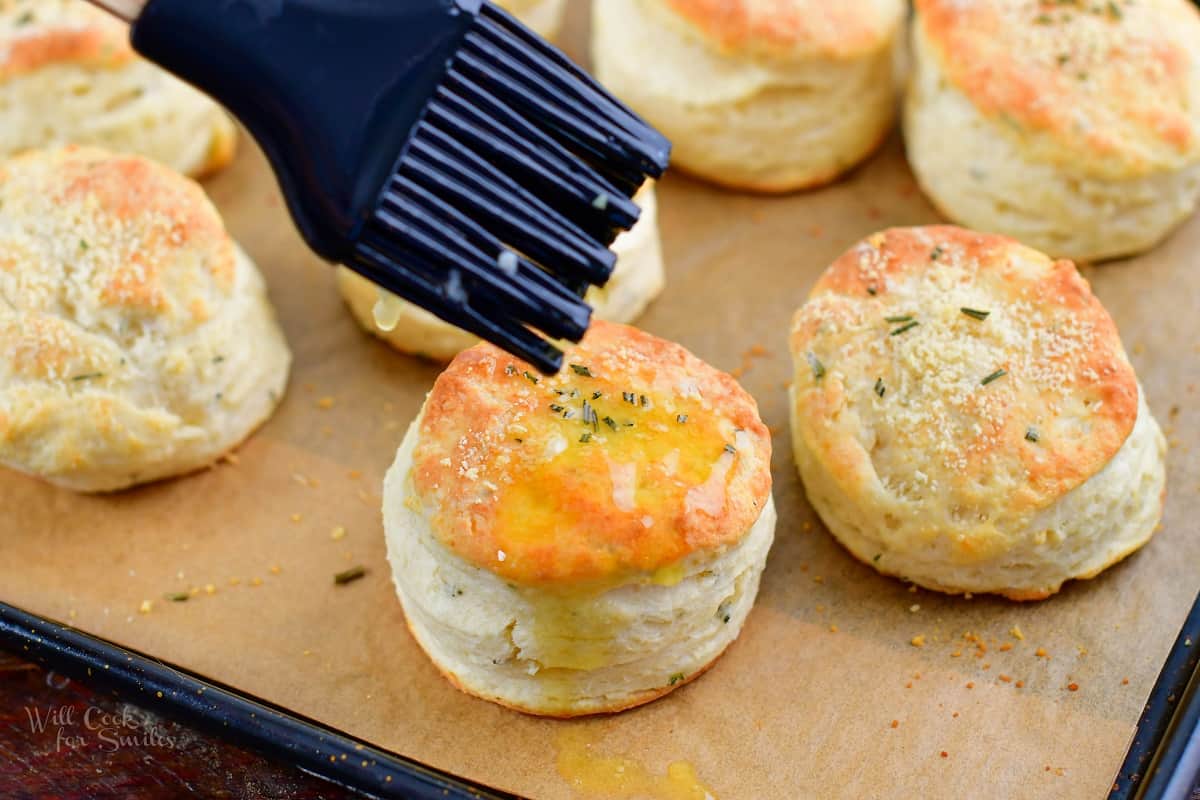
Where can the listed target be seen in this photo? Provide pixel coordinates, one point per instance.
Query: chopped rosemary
(1031, 434)
(529, 376)
(900, 318)
(177, 597)
(880, 389)
(730, 449)
(818, 369)
(629, 397)
(510, 370)
(975, 313)
(908, 326)
(1043, 19)
(597, 395)
(518, 441)
(995, 376)
(580, 369)
(871, 291)
(589, 416)
(644, 401)
(681, 418)
(585, 438)
(349, 576)
(87, 376)
(218, 359)
(83, 245)
(877, 557)
(676, 678)
(556, 408)
(610, 422)
(937, 253)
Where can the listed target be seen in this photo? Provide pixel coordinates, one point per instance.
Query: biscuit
(586, 542)
(764, 95)
(69, 76)
(543, 17)
(964, 416)
(1074, 128)
(138, 339)
(636, 281)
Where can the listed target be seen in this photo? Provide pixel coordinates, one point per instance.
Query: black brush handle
(330, 89)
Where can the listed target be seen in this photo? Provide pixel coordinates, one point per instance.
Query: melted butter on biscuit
(635, 456)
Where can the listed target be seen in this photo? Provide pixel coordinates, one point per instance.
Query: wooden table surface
(60, 739)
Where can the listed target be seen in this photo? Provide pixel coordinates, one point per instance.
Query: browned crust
(1044, 66)
(466, 447)
(96, 40)
(842, 29)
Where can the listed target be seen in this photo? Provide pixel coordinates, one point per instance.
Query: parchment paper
(801, 706)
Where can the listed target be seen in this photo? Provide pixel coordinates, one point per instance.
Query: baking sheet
(824, 695)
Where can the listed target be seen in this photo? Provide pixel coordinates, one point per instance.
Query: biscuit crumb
(970, 684)
(256, 581)
(1004, 648)
(234, 581)
(1124, 681)
(1041, 653)
(833, 628)
(945, 754)
(895, 723)
(338, 533)
(210, 588)
(1005, 678)
(1019, 684)
(1016, 633)
(914, 608)
(296, 517)
(326, 403)
(275, 569)
(145, 607)
(918, 641)
(354, 474)
(1073, 687)
(956, 654)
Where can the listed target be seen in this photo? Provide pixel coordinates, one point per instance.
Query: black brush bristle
(518, 151)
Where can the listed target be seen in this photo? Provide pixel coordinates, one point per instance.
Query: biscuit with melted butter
(138, 340)
(584, 542)
(69, 76)
(964, 416)
(1073, 127)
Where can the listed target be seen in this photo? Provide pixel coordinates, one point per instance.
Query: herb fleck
(937, 253)
(629, 397)
(510, 370)
(218, 359)
(177, 597)
(556, 408)
(880, 389)
(83, 245)
(871, 291)
(1031, 434)
(1043, 19)
(818, 369)
(580, 369)
(597, 395)
(908, 326)
(730, 449)
(676, 678)
(644, 401)
(24, 19)
(976, 313)
(900, 318)
(995, 376)
(877, 557)
(349, 576)
(585, 438)
(681, 419)
(87, 376)
(529, 376)
(610, 422)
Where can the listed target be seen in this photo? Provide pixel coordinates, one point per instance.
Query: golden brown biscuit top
(951, 368)
(636, 455)
(39, 33)
(782, 28)
(98, 245)
(1113, 85)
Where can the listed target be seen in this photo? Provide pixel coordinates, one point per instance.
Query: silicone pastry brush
(436, 147)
